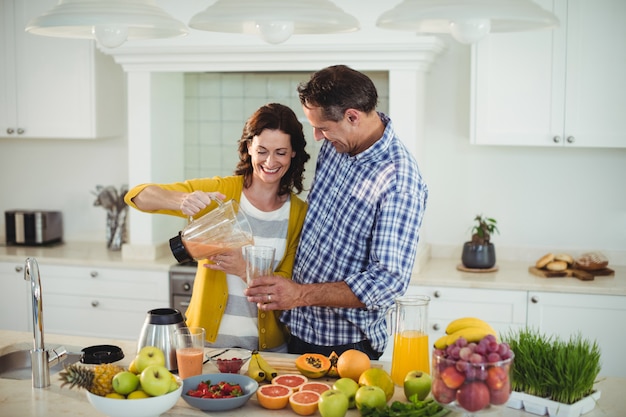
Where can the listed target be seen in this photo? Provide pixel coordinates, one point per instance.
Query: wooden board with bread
(586, 267)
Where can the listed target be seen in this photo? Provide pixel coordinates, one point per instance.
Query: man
(359, 239)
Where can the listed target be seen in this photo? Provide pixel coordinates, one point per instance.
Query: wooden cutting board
(572, 272)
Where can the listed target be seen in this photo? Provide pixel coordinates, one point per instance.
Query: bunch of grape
(487, 350)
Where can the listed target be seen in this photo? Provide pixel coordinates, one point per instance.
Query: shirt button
(262, 315)
(262, 330)
(263, 345)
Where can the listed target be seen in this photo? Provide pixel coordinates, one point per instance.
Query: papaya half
(332, 371)
(313, 365)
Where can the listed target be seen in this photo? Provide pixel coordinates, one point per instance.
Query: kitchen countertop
(18, 398)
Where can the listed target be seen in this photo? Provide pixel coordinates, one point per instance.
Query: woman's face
(271, 154)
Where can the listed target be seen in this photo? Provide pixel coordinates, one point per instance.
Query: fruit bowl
(231, 360)
(248, 385)
(143, 407)
(472, 378)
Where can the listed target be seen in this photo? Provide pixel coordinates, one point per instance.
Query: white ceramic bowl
(248, 385)
(144, 407)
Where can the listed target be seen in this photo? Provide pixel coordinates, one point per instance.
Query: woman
(267, 180)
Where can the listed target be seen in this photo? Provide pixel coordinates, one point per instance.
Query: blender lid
(95, 355)
(164, 316)
(178, 249)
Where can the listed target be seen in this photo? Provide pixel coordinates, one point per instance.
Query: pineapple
(97, 380)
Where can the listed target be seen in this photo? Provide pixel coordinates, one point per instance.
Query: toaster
(33, 227)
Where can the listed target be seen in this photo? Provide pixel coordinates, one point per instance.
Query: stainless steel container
(158, 330)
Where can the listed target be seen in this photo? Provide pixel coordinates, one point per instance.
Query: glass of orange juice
(189, 351)
(410, 338)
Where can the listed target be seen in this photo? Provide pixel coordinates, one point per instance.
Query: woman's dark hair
(339, 88)
(275, 116)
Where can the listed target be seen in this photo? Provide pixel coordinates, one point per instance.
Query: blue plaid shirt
(362, 227)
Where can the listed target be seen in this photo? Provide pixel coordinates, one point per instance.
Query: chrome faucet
(40, 358)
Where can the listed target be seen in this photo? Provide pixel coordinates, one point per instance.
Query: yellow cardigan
(210, 289)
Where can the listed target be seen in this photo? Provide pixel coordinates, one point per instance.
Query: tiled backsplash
(218, 104)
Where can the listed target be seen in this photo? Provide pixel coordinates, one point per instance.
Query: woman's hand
(230, 262)
(196, 201)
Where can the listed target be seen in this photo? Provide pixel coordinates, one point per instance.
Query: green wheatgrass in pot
(549, 367)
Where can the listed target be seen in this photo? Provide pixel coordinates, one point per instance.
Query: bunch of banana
(470, 328)
(259, 369)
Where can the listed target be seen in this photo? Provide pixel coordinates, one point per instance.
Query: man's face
(341, 134)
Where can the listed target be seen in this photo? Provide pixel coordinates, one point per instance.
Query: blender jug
(221, 229)
(410, 339)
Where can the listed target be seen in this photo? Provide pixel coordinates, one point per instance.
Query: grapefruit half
(294, 381)
(304, 402)
(273, 396)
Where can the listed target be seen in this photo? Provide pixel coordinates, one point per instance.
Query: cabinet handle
(20, 131)
(436, 326)
(10, 130)
(571, 139)
(556, 139)
(186, 286)
(93, 274)
(19, 268)
(95, 303)
(534, 299)
(437, 294)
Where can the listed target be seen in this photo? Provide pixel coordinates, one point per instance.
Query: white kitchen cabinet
(103, 302)
(15, 302)
(562, 87)
(52, 87)
(504, 310)
(596, 317)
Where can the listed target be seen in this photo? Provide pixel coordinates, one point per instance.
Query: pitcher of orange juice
(410, 340)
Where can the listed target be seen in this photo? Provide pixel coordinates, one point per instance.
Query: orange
(380, 378)
(304, 402)
(293, 381)
(352, 363)
(273, 396)
(318, 387)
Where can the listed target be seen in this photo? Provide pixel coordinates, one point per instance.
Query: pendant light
(468, 21)
(274, 20)
(110, 22)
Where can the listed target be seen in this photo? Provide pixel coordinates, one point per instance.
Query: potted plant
(480, 253)
(551, 375)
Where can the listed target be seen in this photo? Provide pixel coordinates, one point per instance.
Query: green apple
(125, 382)
(333, 403)
(155, 380)
(417, 382)
(173, 384)
(349, 387)
(370, 396)
(149, 355)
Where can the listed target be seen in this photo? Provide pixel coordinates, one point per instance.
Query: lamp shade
(110, 22)
(467, 20)
(274, 20)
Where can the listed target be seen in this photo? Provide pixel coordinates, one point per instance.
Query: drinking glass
(259, 261)
(189, 351)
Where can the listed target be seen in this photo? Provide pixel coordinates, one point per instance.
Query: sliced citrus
(304, 402)
(273, 396)
(294, 381)
(319, 387)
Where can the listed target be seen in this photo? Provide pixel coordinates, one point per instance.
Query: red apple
(473, 396)
(442, 393)
(496, 378)
(452, 377)
(501, 395)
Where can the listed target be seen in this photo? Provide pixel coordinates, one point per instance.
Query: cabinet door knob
(93, 274)
(534, 299)
(556, 139)
(20, 131)
(571, 139)
(186, 286)
(436, 326)
(95, 303)
(18, 268)
(10, 130)
(437, 294)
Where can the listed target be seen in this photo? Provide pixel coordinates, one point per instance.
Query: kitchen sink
(17, 365)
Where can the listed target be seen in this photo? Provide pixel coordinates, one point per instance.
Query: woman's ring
(218, 263)
(269, 298)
